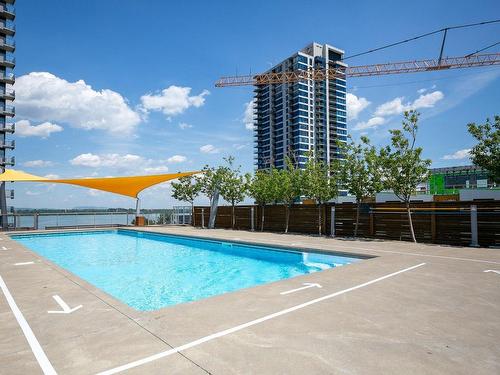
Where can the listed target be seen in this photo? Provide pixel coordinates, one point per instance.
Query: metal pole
(252, 219)
(35, 221)
(137, 207)
(332, 221)
(213, 209)
(202, 218)
(473, 226)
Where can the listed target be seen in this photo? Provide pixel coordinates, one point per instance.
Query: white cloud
(158, 169)
(33, 193)
(392, 107)
(173, 100)
(371, 123)
(185, 126)
(396, 106)
(52, 176)
(239, 146)
(458, 155)
(107, 160)
(421, 91)
(248, 117)
(209, 149)
(44, 130)
(176, 159)
(427, 100)
(355, 106)
(38, 163)
(42, 96)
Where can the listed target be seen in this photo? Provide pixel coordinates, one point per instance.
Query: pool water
(149, 271)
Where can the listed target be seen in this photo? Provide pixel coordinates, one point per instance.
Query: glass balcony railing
(7, 109)
(10, 26)
(9, 59)
(8, 127)
(7, 76)
(8, 8)
(8, 42)
(7, 144)
(7, 93)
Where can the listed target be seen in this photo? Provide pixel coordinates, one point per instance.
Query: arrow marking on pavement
(64, 306)
(306, 286)
(492, 271)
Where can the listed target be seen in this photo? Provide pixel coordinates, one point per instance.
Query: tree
(402, 164)
(233, 186)
(262, 188)
(360, 172)
(186, 190)
(211, 182)
(486, 153)
(289, 187)
(320, 183)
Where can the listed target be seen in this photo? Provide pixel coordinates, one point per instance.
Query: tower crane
(343, 71)
(443, 63)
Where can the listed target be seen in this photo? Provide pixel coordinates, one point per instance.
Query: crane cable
(424, 35)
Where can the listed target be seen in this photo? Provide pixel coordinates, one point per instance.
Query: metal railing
(87, 219)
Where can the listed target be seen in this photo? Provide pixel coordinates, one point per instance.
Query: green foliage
(233, 186)
(402, 164)
(360, 171)
(289, 183)
(486, 153)
(211, 180)
(262, 187)
(320, 182)
(186, 189)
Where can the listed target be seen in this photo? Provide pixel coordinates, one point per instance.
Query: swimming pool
(148, 271)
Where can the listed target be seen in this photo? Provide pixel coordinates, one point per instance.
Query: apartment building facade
(293, 119)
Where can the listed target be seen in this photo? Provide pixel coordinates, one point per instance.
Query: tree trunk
(357, 220)
(192, 213)
(319, 219)
(410, 222)
(232, 216)
(262, 218)
(287, 217)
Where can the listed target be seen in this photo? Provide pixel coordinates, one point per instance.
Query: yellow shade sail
(129, 186)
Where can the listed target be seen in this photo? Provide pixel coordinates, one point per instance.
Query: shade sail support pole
(137, 207)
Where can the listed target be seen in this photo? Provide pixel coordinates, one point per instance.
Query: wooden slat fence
(434, 222)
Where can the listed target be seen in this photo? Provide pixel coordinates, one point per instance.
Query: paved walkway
(411, 309)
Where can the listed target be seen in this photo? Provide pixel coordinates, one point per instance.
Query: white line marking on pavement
(495, 271)
(3, 248)
(306, 286)
(42, 359)
(65, 308)
(248, 324)
(23, 263)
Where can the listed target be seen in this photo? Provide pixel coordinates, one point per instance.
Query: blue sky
(109, 88)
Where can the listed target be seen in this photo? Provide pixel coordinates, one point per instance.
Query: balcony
(8, 44)
(8, 128)
(7, 28)
(8, 145)
(8, 61)
(7, 161)
(7, 94)
(7, 110)
(7, 78)
(8, 12)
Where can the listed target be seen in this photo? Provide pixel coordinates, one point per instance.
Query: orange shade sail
(129, 186)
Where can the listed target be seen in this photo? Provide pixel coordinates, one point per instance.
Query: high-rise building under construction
(293, 119)
(7, 94)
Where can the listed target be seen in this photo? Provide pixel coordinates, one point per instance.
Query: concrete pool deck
(412, 309)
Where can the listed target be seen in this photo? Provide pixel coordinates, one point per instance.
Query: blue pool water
(150, 271)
